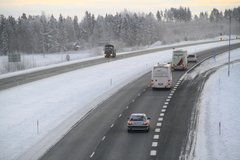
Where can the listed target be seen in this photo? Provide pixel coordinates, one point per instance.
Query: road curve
(103, 135)
(38, 75)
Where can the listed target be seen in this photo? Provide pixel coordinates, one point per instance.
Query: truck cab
(109, 51)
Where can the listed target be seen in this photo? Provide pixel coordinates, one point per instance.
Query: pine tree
(159, 18)
(53, 36)
(4, 40)
(63, 40)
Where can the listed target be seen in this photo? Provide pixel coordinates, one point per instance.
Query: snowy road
(51, 101)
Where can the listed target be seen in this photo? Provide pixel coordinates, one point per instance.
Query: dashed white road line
(156, 137)
(167, 99)
(112, 125)
(163, 110)
(166, 103)
(92, 154)
(154, 144)
(159, 124)
(164, 106)
(157, 130)
(160, 119)
(103, 138)
(161, 114)
(153, 153)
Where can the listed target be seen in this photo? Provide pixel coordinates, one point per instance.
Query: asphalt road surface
(103, 135)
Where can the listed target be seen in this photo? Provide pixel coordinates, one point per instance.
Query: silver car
(138, 121)
(192, 58)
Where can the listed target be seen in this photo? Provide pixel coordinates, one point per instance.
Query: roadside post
(214, 54)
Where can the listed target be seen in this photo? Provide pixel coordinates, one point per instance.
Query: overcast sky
(78, 8)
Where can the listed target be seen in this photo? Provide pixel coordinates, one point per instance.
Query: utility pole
(229, 46)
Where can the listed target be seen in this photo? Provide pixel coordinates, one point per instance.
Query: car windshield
(137, 118)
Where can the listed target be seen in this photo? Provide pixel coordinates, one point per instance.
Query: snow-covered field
(219, 123)
(56, 103)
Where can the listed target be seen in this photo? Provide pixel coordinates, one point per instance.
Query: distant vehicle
(138, 121)
(192, 58)
(221, 39)
(179, 59)
(162, 76)
(237, 37)
(109, 51)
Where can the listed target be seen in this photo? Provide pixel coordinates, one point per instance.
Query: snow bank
(218, 129)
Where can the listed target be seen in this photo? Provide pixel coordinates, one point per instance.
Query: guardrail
(191, 69)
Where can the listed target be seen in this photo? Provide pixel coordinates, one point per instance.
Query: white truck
(179, 59)
(161, 76)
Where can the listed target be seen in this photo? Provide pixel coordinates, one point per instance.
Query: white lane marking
(157, 130)
(112, 125)
(133, 100)
(170, 94)
(154, 144)
(120, 115)
(175, 87)
(103, 138)
(159, 124)
(160, 119)
(164, 106)
(127, 107)
(139, 95)
(156, 137)
(153, 153)
(166, 103)
(163, 110)
(172, 91)
(161, 114)
(92, 154)
(167, 99)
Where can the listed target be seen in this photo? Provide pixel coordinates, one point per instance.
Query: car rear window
(191, 55)
(137, 118)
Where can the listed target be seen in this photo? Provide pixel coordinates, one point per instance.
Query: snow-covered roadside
(51, 101)
(218, 124)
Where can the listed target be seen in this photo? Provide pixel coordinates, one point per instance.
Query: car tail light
(145, 123)
(168, 81)
(152, 82)
(130, 123)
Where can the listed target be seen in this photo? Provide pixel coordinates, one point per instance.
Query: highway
(14, 81)
(103, 135)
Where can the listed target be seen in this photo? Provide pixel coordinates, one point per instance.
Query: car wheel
(148, 129)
